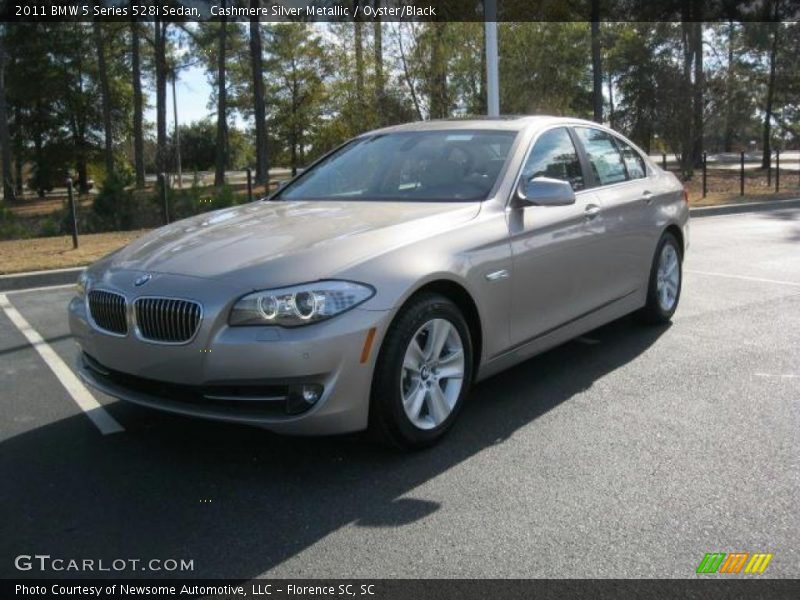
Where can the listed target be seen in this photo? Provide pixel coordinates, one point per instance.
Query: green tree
(198, 146)
(533, 80)
(5, 138)
(297, 69)
(216, 43)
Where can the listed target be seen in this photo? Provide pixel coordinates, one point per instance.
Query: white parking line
(41, 288)
(744, 277)
(48, 271)
(80, 394)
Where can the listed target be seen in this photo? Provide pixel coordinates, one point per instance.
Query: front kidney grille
(108, 311)
(167, 320)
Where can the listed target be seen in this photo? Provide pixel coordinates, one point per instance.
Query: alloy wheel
(433, 373)
(668, 277)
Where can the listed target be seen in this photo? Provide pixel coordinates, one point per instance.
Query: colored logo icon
(720, 562)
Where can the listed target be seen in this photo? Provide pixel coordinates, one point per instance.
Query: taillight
(686, 195)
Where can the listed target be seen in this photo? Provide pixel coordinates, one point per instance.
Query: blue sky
(193, 93)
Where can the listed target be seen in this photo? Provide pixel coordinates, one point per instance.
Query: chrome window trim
(570, 124)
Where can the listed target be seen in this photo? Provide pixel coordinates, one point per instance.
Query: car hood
(282, 243)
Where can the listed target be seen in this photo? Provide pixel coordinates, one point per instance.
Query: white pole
(492, 74)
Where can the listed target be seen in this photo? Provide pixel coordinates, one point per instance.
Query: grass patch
(37, 254)
(723, 187)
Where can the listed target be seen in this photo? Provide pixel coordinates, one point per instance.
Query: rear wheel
(666, 277)
(422, 375)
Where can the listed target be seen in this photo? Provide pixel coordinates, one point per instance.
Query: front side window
(603, 154)
(634, 162)
(439, 165)
(554, 156)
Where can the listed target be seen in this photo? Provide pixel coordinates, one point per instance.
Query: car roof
(501, 123)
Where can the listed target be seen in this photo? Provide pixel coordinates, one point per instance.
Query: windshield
(447, 165)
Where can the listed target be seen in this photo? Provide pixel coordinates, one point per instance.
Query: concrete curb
(732, 209)
(34, 279)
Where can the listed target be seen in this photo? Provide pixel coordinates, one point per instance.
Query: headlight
(300, 304)
(80, 285)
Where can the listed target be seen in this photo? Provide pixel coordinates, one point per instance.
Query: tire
(664, 292)
(406, 378)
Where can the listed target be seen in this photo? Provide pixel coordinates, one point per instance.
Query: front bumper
(239, 374)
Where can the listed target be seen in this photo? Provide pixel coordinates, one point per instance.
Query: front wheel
(422, 375)
(666, 277)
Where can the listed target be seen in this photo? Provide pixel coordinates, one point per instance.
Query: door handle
(647, 196)
(592, 210)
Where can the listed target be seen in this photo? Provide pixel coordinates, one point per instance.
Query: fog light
(311, 393)
(302, 397)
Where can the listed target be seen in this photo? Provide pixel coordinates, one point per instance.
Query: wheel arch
(676, 231)
(460, 296)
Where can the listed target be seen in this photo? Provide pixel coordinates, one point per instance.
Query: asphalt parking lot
(630, 452)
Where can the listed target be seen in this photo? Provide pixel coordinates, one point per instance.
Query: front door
(555, 249)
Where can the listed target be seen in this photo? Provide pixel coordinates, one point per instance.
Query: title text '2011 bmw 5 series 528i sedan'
(374, 288)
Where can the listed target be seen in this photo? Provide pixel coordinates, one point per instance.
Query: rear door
(619, 180)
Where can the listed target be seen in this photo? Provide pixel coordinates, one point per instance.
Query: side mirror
(544, 191)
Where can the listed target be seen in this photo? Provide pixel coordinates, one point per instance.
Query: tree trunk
(38, 159)
(82, 165)
(481, 105)
(105, 96)
(259, 111)
(161, 95)
(5, 138)
(293, 158)
(19, 154)
(407, 73)
(380, 89)
(359, 43)
(222, 105)
(138, 117)
(610, 99)
(18, 183)
(766, 157)
(597, 66)
(438, 77)
(727, 143)
(687, 136)
(698, 92)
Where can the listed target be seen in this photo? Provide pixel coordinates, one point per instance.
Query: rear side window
(554, 156)
(634, 162)
(603, 154)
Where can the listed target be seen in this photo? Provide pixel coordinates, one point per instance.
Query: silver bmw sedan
(376, 287)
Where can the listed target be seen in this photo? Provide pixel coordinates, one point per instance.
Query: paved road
(790, 160)
(630, 453)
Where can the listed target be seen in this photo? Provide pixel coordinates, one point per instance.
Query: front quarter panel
(474, 255)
